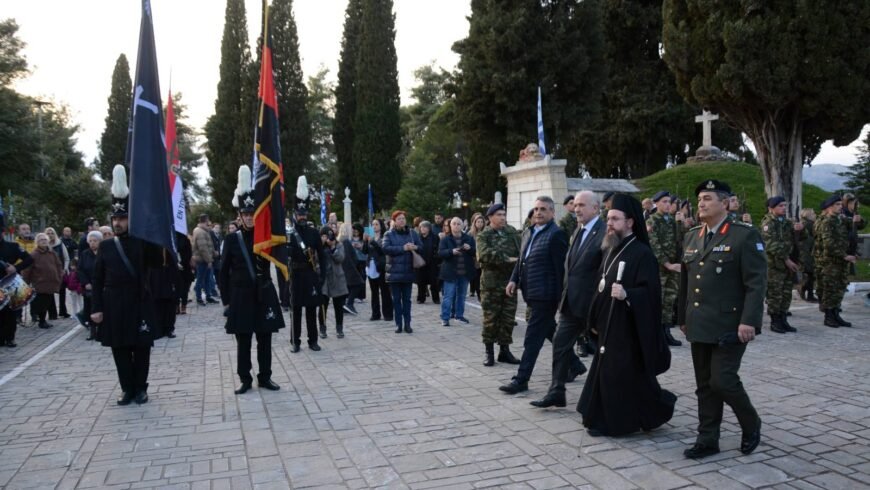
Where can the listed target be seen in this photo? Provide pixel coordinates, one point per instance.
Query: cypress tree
(292, 93)
(513, 48)
(113, 142)
(377, 131)
(345, 95)
(321, 108)
(229, 132)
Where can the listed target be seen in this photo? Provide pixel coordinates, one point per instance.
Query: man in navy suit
(581, 266)
(538, 273)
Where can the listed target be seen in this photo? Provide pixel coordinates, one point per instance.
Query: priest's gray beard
(610, 241)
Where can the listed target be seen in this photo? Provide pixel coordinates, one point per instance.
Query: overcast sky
(72, 47)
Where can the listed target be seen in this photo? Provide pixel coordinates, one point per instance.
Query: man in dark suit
(581, 265)
(538, 273)
(723, 281)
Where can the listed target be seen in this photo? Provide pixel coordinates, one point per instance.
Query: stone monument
(347, 202)
(707, 152)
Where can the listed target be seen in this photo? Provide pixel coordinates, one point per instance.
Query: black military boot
(92, 332)
(787, 326)
(670, 338)
(831, 319)
(489, 360)
(776, 323)
(811, 297)
(505, 355)
(843, 323)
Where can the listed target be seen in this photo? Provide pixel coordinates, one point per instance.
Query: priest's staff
(619, 271)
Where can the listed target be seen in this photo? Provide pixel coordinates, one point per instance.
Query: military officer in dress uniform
(121, 302)
(721, 305)
(778, 233)
(308, 264)
(664, 235)
(498, 248)
(247, 292)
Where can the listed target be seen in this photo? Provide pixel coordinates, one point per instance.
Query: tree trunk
(778, 141)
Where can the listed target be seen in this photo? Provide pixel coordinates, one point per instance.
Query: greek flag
(541, 145)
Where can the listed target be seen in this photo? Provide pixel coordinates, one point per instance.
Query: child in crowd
(71, 281)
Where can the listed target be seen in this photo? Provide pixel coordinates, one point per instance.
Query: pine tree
(345, 95)
(113, 142)
(292, 94)
(513, 48)
(377, 132)
(230, 131)
(858, 175)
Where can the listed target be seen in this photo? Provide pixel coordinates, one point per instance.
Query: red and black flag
(269, 230)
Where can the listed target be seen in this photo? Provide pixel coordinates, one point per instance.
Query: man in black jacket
(308, 262)
(581, 265)
(13, 259)
(539, 274)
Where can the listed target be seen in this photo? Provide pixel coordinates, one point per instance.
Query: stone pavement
(379, 409)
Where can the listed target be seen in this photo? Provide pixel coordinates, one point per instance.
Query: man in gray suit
(581, 266)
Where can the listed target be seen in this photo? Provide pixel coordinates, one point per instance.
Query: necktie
(582, 236)
(707, 238)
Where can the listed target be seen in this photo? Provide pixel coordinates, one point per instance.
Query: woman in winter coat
(478, 223)
(457, 252)
(60, 250)
(427, 276)
(355, 282)
(399, 244)
(87, 263)
(335, 285)
(45, 276)
(376, 264)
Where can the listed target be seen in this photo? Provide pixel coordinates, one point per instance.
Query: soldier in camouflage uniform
(568, 223)
(664, 236)
(778, 233)
(808, 266)
(498, 248)
(832, 261)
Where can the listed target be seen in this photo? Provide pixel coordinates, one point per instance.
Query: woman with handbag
(400, 246)
(457, 252)
(376, 262)
(335, 286)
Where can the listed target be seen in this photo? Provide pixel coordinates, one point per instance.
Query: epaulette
(696, 228)
(745, 225)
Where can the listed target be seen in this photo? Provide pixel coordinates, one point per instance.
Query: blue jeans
(453, 300)
(204, 281)
(401, 292)
(541, 326)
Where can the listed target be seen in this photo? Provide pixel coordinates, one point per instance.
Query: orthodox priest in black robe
(621, 394)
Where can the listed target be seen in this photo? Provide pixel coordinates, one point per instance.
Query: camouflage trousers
(831, 283)
(670, 290)
(498, 316)
(779, 285)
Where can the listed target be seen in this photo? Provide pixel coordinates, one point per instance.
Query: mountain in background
(825, 175)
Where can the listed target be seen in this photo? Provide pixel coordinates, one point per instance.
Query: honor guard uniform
(13, 259)
(308, 266)
(247, 292)
(664, 240)
(721, 304)
(497, 252)
(778, 233)
(122, 304)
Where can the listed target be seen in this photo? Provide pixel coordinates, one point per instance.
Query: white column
(347, 203)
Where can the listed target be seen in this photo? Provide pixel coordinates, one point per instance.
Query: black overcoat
(124, 299)
(251, 304)
(307, 277)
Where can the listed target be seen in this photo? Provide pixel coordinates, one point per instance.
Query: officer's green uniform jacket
(494, 250)
(724, 284)
(778, 235)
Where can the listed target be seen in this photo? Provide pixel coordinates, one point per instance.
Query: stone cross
(706, 119)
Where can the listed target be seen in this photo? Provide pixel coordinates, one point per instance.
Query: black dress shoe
(11, 343)
(514, 387)
(171, 335)
(398, 329)
(200, 302)
(699, 451)
(374, 318)
(269, 385)
(592, 431)
(126, 398)
(142, 397)
(550, 400)
(408, 329)
(296, 348)
(750, 441)
(246, 385)
(314, 347)
(573, 374)
(64, 315)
